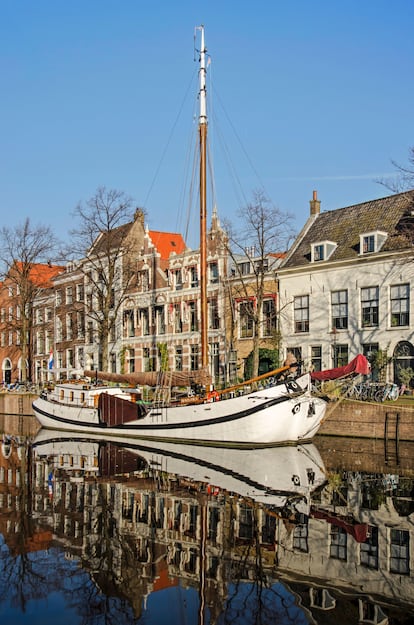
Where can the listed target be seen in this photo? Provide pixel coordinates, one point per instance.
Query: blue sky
(307, 95)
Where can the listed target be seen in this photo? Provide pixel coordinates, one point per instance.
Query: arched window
(403, 359)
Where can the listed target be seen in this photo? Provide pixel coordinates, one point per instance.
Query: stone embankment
(387, 421)
(16, 414)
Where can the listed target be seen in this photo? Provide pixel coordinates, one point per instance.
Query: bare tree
(404, 176)
(105, 239)
(23, 248)
(264, 232)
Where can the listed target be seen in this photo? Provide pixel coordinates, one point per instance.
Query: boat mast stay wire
(164, 152)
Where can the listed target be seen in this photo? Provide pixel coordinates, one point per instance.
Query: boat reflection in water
(149, 532)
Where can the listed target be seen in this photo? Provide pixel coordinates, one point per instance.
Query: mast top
(202, 78)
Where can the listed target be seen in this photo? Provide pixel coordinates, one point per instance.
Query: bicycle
(390, 391)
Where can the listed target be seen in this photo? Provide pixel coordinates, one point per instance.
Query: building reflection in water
(134, 531)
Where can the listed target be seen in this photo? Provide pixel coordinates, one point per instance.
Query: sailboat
(276, 476)
(260, 412)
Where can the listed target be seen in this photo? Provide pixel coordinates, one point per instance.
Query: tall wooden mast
(202, 130)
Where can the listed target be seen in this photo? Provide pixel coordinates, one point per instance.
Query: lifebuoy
(213, 396)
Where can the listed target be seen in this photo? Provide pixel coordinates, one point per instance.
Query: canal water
(124, 532)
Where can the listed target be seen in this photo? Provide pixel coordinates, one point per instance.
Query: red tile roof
(42, 273)
(167, 243)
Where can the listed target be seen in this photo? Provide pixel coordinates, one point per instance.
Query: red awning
(359, 531)
(358, 365)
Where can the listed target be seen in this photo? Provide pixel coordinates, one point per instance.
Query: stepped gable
(113, 238)
(393, 214)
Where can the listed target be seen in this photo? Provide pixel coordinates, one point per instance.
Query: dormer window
(322, 250)
(371, 241)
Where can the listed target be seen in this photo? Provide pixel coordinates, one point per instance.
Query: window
(369, 306)
(368, 244)
(318, 252)
(40, 344)
(146, 359)
(246, 319)
(11, 313)
(192, 310)
(371, 241)
(246, 522)
(90, 332)
(213, 315)
(178, 322)
(243, 268)
(322, 250)
(340, 355)
(400, 305)
(369, 550)
(80, 357)
(339, 303)
(80, 322)
(129, 325)
(159, 319)
(144, 279)
(69, 358)
(194, 358)
(179, 358)
(268, 317)
(58, 298)
(80, 292)
(89, 301)
(69, 327)
(130, 360)
(144, 316)
(48, 314)
(193, 277)
(215, 359)
(300, 538)
(316, 358)
(338, 543)
(69, 295)
(400, 552)
(58, 329)
(301, 313)
(214, 274)
(178, 280)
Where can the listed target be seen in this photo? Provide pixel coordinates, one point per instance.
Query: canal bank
(387, 421)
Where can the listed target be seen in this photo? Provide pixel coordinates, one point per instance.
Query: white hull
(272, 476)
(272, 416)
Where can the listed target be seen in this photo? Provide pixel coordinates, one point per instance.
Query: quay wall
(389, 421)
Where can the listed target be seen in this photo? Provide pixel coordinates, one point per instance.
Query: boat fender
(213, 396)
(296, 408)
(296, 480)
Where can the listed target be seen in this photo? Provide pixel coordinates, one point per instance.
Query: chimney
(315, 204)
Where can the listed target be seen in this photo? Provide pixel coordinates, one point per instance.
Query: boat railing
(76, 402)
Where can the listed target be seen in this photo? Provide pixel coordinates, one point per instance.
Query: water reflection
(134, 532)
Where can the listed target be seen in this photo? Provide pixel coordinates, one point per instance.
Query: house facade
(162, 315)
(155, 319)
(346, 287)
(27, 317)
